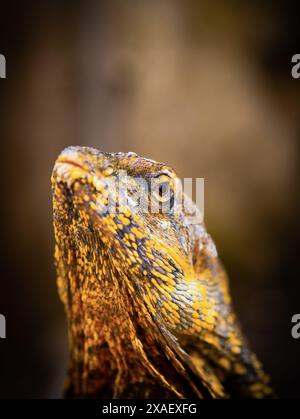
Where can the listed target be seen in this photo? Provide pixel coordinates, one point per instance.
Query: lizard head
(131, 205)
(122, 247)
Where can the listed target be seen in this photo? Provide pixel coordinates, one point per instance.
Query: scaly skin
(146, 297)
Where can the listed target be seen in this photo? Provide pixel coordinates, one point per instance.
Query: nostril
(108, 170)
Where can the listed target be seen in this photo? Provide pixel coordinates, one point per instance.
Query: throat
(103, 359)
(115, 349)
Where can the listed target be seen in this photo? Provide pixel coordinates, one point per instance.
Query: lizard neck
(116, 348)
(102, 356)
(112, 352)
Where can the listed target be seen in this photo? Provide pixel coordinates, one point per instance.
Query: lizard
(146, 297)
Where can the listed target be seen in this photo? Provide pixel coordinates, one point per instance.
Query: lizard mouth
(70, 163)
(68, 172)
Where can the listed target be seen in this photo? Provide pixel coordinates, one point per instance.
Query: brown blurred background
(205, 87)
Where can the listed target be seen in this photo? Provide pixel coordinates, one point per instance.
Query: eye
(163, 191)
(162, 194)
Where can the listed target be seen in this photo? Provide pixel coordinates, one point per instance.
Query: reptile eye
(108, 170)
(163, 194)
(163, 191)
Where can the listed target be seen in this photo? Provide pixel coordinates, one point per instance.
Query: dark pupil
(163, 187)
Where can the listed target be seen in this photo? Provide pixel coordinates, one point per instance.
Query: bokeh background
(205, 87)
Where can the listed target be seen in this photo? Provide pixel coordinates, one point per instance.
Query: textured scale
(146, 297)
